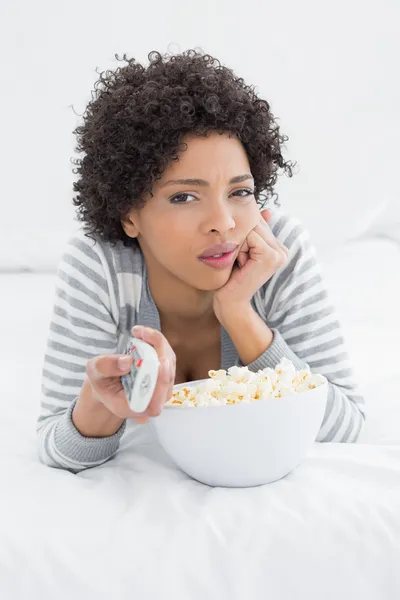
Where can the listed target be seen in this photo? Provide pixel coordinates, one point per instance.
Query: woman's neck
(178, 304)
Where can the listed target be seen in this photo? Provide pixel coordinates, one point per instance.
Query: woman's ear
(129, 225)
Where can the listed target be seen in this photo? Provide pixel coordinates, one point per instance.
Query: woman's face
(182, 220)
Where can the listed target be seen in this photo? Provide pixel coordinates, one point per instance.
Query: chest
(196, 353)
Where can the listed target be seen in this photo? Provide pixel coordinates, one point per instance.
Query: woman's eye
(180, 199)
(248, 192)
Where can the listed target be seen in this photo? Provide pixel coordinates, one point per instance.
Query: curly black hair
(132, 130)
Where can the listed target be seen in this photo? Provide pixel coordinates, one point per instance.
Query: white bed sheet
(137, 527)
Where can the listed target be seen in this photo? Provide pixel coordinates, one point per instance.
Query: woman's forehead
(203, 157)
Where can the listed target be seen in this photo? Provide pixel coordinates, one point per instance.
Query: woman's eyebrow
(237, 179)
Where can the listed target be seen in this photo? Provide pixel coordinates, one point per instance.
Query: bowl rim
(283, 399)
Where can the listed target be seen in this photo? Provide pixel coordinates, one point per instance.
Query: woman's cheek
(250, 216)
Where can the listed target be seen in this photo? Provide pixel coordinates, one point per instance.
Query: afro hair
(133, 127)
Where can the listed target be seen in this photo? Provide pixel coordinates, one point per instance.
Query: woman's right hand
(104, 374)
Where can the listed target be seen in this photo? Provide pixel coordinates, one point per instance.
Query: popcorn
(239, 384)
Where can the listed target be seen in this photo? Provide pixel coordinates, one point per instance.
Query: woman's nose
(219, 218)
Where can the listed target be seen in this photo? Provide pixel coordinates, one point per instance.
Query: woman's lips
(222, 262)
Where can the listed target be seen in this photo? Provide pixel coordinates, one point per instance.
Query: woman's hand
(105, 372)
(260, 256)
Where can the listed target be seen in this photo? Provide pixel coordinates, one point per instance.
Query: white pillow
(331, 217)
(363, 279)
(33, 249)
(387, 222)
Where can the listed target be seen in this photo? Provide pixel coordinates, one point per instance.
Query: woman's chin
(213, 282)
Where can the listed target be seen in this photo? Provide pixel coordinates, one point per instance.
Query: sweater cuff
(73, 445)
(273, 355)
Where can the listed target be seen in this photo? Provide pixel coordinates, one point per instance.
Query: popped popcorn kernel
(239, 385)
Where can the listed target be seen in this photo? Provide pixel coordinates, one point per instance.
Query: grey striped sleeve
(81, 326)
(306, 331)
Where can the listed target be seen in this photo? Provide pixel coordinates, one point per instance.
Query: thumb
(116, 365)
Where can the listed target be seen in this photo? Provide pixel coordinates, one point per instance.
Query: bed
(137, 527)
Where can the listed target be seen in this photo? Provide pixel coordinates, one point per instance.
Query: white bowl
(242, 445)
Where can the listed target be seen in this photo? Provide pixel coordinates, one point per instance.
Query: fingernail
(124, 362)
(137, 328)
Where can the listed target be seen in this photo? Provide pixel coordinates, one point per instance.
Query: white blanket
(139, 528)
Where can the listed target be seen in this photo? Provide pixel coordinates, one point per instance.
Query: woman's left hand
(260, 256)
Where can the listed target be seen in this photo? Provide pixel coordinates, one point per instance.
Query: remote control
(140, 382)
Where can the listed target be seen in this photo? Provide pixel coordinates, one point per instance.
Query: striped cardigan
(102, 291)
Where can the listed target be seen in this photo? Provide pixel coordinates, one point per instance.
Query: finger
(267, 215)
(264, 230)
(243, 254)
(264, 224)
(168, 394)
(260, 248)
(141, 420)
(271, 239)
(170, 391)
(242, 259)
(101, 367)
(281, 256)
(160, 394)
(159, 342)
(162, 386)
(256, 242)
(283, 247)
(153, 337)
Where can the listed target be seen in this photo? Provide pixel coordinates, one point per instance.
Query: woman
(176, 157)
